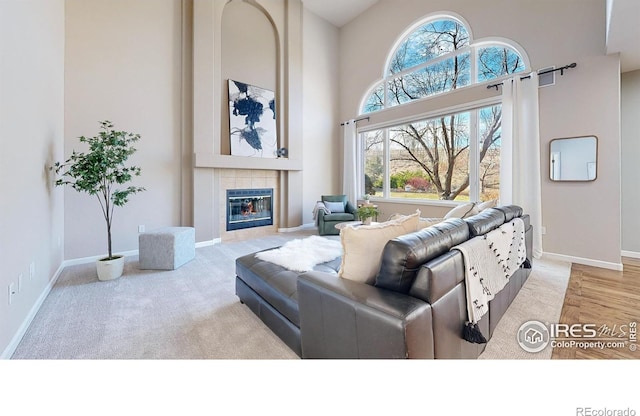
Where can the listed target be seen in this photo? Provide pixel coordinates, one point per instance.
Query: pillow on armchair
(334, 207)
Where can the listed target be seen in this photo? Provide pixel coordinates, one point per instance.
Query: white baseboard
(294, 229)
(17, 337)
(208, 243)
(11, 348)
(85, 260)
(582, 260)
(631, 254)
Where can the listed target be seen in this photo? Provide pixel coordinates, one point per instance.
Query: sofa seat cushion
(404, 255)
(275, 284)
(341, 216)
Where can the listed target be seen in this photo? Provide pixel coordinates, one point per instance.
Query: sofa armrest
(341, 318)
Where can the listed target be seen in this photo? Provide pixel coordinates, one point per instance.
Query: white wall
(630, 107)
(585, 101)
(321, 159)
(123, 64)
(583, 218)
(31, 135)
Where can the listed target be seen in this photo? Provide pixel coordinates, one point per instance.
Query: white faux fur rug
(302, 255)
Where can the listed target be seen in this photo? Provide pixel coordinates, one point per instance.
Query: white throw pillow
(487, 204)
(334, 206)
(462, 211)
(362, 246)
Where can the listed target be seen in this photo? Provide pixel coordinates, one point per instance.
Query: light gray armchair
(341, 211)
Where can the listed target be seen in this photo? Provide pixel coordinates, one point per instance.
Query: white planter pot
(110, 269)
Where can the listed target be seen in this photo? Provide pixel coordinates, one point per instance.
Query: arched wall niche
(250, 54)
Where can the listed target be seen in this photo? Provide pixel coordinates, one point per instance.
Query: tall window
(434, 158)
(452, 156)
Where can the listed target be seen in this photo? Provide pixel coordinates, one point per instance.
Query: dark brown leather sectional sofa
(416, 314)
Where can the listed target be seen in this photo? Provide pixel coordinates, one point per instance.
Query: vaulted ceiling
(623, 32)
(338, 12)
(623, 24)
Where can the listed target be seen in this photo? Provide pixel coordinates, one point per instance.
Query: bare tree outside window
(430, 159)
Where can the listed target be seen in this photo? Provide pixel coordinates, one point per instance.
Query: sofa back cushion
(510, 211)
(363, 245)
(404, 255)
(486, 221)
(438, 277)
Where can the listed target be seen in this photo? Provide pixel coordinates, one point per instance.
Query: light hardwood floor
(602, 297)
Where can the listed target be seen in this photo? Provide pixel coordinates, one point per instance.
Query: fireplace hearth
(247, 208)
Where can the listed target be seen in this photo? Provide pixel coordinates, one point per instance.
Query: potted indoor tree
(98, 172)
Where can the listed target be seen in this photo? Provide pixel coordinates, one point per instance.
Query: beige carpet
(193, 313)
(540, 299)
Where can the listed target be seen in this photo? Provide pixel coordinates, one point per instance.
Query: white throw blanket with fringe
(320, 206)
(302, 255)
(490, 260)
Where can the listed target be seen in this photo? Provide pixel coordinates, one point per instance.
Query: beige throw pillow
(362, 246)
(428, 222)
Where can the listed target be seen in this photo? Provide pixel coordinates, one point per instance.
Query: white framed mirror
(573, 159)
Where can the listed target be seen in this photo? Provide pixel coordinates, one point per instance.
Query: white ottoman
(166, 248)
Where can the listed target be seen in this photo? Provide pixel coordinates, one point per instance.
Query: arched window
(448, 155)
(437, 57)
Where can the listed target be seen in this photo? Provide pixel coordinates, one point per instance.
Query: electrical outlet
(32, 270)
(12, 292)
(543, 230)
(140, 228)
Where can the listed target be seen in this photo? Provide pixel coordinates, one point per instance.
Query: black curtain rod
(561, 69)
(356, 120)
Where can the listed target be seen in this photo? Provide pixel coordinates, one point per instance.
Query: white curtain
(520, 152)
(351, 174)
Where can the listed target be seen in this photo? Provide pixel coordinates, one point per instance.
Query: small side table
(370, 205)
(341, 225)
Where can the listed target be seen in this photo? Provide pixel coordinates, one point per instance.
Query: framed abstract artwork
(252, 121)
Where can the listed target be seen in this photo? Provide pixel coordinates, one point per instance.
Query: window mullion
(386, 188)
(474, 65)
(431, 62)
(474, 157)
